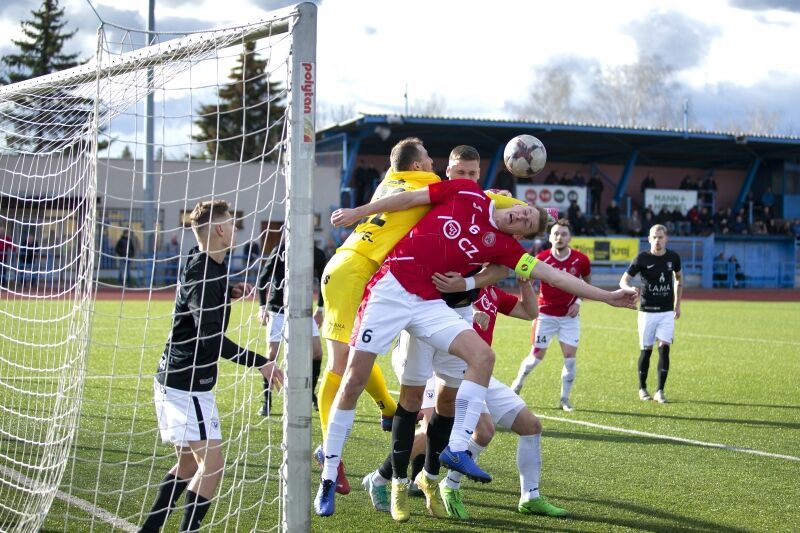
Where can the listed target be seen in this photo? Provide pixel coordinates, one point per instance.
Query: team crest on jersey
(489, 238)
(451, 229)
(573, 271)
(669, 265)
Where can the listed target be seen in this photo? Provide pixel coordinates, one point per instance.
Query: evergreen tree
(239, 125)
(53, 121)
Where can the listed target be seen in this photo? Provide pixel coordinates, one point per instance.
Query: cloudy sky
(732, 57)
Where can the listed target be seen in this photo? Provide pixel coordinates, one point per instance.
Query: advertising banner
(558, 196)
(672, 198)
(610, 250)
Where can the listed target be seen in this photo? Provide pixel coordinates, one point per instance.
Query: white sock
(529, 463)
(567, 376)
(470, 400)
(453, 477)
(525, 368)
(340, 422)
(378, 480)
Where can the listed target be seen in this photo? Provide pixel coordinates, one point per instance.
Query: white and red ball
(525, 156)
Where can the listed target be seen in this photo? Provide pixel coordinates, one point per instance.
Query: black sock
(663, 365)
(439, 429)
(417, 464)
(385, 470)
(403, 426)
(316, 367)
(644, 366)
(194, 511)
(267, 395)
(169, 491)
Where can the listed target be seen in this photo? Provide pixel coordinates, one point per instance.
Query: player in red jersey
(558, 312)
(461, 231)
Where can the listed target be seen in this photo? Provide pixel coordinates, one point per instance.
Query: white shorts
(415, 360)
(276, 329)
(184, 416)
(567, 328)
(388, 309)
(656, 326)
(503, 403)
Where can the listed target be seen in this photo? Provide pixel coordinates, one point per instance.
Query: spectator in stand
(682, 224)
(687, 183)
(693, 221)
(596, 227)
(552, 178)
(564, 180)
(126, 251)
(633, 226)
(596, 193)
(720, 276)
(581, 225)
(373, 176)
(738, 275)
(758, 227)
(648, 182)
(767, 218)
(358, 183)
(6, 249)
(578, 180)
(706, 222)
(739, 227)
(768, 198)
(613, 216)
(572, 213)
(709, 188)
(663, 217)
(648, 222)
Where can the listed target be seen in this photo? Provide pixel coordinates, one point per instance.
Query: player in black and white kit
(270, 285)
(660, 305)
(185, 404)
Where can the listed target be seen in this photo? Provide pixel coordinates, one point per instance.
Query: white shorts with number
(416, 360)
(567, 328)
(276, 329)
(388, 309)
(184, 416)
(656, 326)
(503, 403)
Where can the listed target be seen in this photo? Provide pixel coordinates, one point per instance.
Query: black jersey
(272, 275)
(658, 288)
(197, 339)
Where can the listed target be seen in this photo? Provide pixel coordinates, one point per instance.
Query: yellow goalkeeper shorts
(343, 282)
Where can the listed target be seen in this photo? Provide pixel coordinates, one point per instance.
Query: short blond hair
(659, 227)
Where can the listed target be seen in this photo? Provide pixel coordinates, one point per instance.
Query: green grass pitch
(733, 381)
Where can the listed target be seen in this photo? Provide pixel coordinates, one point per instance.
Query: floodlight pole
(148, 185)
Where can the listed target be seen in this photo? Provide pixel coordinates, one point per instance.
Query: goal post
(90, 262)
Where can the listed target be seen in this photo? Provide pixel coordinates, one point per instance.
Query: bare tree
(644, 93)
(334, 113)
(435, 105)
(757, 121)
(550, 97)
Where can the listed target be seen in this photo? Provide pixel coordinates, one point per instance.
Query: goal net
(100, 166)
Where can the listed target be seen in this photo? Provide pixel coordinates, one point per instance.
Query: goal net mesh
(92, 241)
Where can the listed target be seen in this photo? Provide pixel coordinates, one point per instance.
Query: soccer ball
(524, 156)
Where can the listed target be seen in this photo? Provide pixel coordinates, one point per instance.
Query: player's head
(464, 162)
(523, 220)
(213, 225)
(560, 234)
(410, 154)
(657, 238)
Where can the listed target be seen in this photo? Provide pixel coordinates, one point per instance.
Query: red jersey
(553, 301)
(458, 235)
(492, 300)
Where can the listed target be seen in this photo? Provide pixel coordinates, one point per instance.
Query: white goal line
(88, 507)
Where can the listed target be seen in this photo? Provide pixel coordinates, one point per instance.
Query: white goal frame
(301, 21)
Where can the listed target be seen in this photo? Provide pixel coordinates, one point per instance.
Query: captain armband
(524, 268)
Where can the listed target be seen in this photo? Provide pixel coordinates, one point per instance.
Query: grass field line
(88, 507)
(671, 438)
(703, 335)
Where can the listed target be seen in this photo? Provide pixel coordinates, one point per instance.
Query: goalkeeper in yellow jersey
(354, 263)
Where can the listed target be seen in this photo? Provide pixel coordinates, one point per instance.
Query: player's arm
(529, 266)
(625, 281)
(678, 292)
(451, 282)
(527, 307)
(574, 308)
(387, 204)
